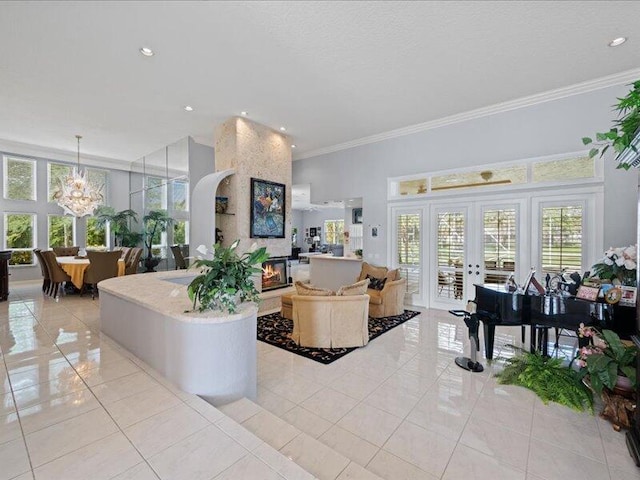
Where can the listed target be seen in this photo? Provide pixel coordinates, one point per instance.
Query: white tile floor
(73, 404)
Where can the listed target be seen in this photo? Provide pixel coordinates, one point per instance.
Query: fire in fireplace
(274, 274)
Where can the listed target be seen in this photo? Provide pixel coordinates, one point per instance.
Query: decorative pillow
(358, 288)
(376, 283)
(372, 271)
(393, 275)
(308, 289)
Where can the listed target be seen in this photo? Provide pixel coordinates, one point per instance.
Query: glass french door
(407, 250)
(472, 243)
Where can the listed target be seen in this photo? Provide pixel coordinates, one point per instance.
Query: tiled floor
(73, 404)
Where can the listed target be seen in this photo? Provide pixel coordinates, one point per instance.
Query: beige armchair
(390, 300)
(330, 321)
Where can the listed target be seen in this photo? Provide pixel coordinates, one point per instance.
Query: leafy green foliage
(155, 222)
(624, 130)
(603, 365)
(547, 378)
(119, 223)
(226, 276)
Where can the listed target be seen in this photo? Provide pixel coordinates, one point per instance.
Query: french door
(473, 243)
(407, 248)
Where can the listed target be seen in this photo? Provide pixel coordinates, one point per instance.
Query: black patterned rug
(276, 330)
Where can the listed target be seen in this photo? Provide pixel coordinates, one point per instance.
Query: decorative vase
(151, 263)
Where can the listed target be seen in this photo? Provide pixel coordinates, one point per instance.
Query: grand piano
(496, 307)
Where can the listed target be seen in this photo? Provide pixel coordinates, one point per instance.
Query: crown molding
(54, 154)
(548, 96)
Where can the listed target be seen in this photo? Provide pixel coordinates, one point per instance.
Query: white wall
(545, 129)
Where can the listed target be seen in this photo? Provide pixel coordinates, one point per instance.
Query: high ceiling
(330, 72)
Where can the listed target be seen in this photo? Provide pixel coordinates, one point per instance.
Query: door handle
(477, 273)
(477, 266)
(469, 272)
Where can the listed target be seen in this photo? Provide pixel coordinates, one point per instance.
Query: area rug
(276, 330)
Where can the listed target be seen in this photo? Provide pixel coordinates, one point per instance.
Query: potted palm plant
(119, 223)
(226, 280)
(155, 222)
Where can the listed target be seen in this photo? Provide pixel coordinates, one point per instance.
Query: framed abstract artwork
(267, 209)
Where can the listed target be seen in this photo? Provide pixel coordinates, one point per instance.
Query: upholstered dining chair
(181, 264)
(134, 258)
(103, 265)
(66, 251)
(46, 278)
(57, 275)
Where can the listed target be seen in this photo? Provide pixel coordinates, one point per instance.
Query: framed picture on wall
(267, 209)
(357, 216)
(312, 232)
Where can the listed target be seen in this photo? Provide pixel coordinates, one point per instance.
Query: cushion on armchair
(358, 288)
(376, 283)
(308, 289)
(372, 270)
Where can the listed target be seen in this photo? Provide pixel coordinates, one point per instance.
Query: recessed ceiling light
(282, 129)
(146, 51)
(617, 41)
(244, 114)
(188, 108)
(293, 146)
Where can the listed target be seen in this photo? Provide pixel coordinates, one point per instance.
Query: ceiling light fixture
(244, 114)
(617, 41)
(188, 108)
(76, 194)
(146, 51)
(282, 129)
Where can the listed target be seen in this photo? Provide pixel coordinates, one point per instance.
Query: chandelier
(75, 194)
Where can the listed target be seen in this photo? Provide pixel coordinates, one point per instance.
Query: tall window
(56, 172)
(61, 231)
(19, 179)
(408, 249)
(19, 237)
(180, 196)
(96, 235)
(334, 231)
(156, 193)
(561, 242)
(99, 179)
(181, 232)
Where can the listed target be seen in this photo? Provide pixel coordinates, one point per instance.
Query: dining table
(75, 268)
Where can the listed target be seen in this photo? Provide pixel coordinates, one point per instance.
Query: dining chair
(181, 264)
(134, 258)
(102, 265)
(66, 251)
(124, 253)
(46, 277)
(56, 274)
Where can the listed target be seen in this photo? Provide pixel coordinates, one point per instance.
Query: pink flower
(581, 363)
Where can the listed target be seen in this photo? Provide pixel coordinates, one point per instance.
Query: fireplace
(274, 273)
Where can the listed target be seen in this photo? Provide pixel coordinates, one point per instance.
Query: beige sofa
(330, 321)
(390, 300)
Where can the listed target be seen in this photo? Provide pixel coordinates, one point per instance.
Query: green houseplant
(623, 135)
(607, 360)
(119, 223)
(225, 281)
(155, 222)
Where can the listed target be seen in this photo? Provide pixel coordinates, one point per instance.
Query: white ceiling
(331, 72)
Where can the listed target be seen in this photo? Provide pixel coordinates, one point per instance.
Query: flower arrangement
(225, 281)
(605, 358)
(618, 265)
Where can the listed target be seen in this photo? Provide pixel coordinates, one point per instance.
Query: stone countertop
(156, 292)
(331, 257)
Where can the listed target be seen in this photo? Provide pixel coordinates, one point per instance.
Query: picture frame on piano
(588, 293)
(629, 294)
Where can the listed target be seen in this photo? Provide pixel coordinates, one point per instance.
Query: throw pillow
(358, 288)
(393, 275)
(308, 289)
(372, 271)
(376, 283)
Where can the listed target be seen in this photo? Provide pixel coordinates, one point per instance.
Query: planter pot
(150, 263)
(623, 386)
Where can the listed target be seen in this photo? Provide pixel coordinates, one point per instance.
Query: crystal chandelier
(75, 194)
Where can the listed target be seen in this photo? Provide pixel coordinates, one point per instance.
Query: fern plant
(548, 378)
